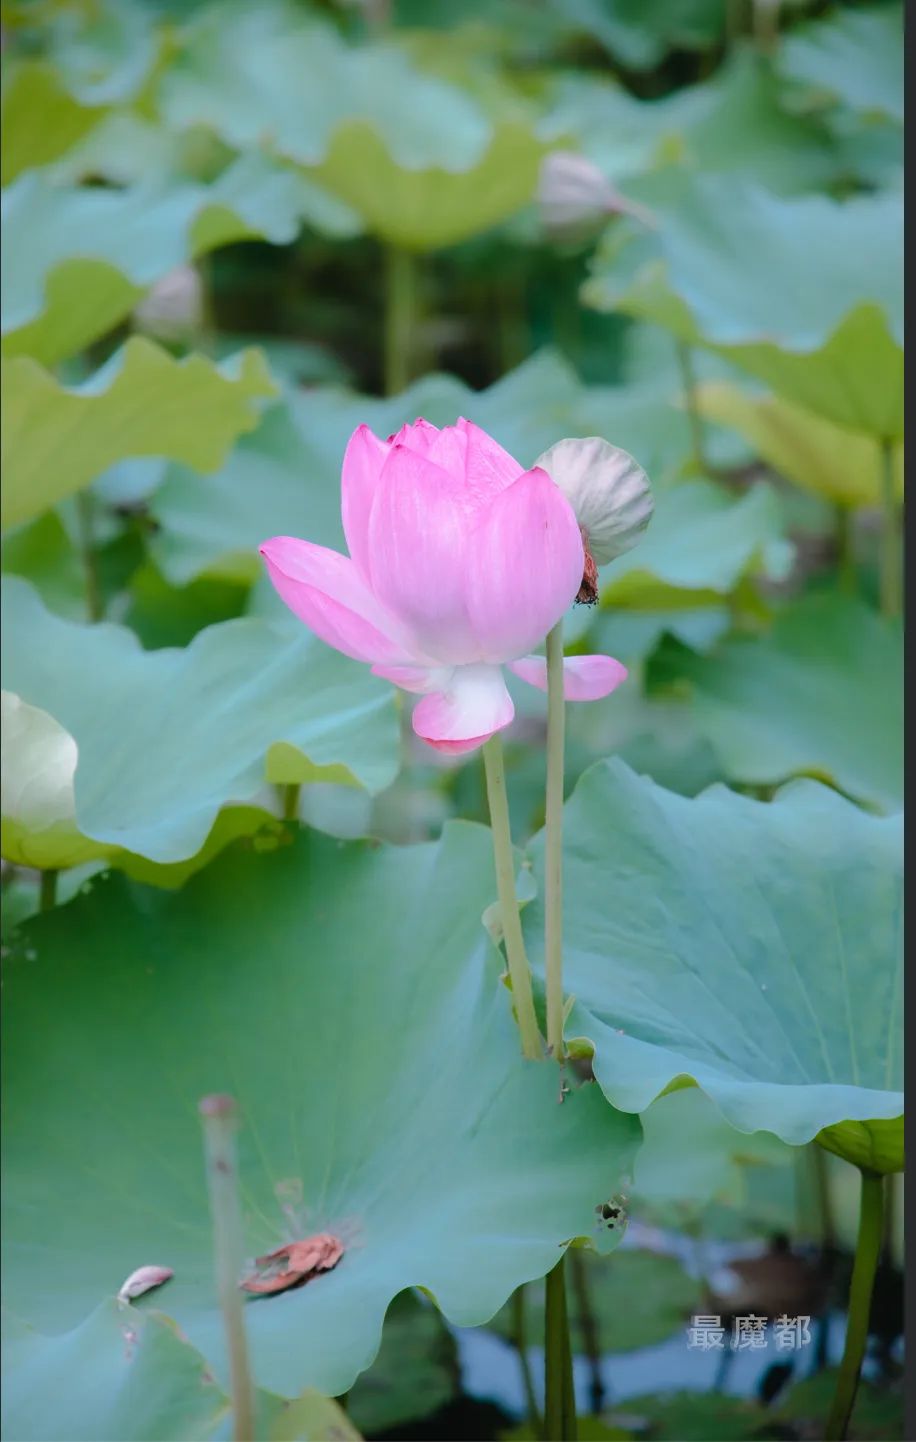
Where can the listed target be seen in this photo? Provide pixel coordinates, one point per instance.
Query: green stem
(516, 956)
(84, 523)
(400, 302)
(891, 558)
(47, 896)
(846, 551)
(589, 1327)
(868, 1247)
(220, 1119)
(520, 1338)
(290, 793)
(553, 857)
(559, 1395)
(689, 382)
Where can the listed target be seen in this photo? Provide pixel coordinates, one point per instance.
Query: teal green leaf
(143, 402)
(751, 948)
(123, 1375)
(40, 119)
(639, 33)
(415, 1373)
(695, 1416)
(76, 260)
(103, 52)
(822, 695)
(878, 1412)
(166, 738)
(702, 540)
(822, 457)
(852, 57)
(777, 286)
(379, 1077)
(637, 1299)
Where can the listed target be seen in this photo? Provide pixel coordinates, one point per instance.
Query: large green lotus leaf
(853, 57)
(143, 402)
(637, 1299)
(350, 1000)
(40, 118)
(77, 259)
(126, 1375)
(776, 285)
(285, 477)
(122, 1375)
(640, 33)
(823, 694)
(701, 540)
(823, 458)
(166, 738)
(750, 948)
(102, 52)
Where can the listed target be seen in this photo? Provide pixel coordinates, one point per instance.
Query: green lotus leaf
(103, 53)
(752, 949)
(823, 458)
(143, 402)
(126, 1375)
(695, 1416)
(166, 738)
(878, 1412)
(33, 89)
(77, 259)
(640, 33)
(416, 1372)
(667, 1296)
(853, 58)
(379, 1077)
(775, 285)
(702, 540)
(823, 694)
(284, 479)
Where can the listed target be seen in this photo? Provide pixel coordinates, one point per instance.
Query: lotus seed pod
(174, 306)
(609, 493)
(574, 194)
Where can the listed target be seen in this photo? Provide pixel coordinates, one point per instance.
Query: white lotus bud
(609, 493)
(573, 193)
(174, 306)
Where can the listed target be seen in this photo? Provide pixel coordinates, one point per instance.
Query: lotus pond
(452, 720)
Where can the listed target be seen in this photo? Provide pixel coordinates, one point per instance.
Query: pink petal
(585, 678)
(525, 563)
(418, 679)
(327, 592)
(489, 468)
(418, 435)
(418, 534)
(473, 705)
(362, 465)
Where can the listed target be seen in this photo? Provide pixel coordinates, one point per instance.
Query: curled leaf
(293, 1264)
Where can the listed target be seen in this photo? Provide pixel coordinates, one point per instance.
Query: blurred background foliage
(234, 231)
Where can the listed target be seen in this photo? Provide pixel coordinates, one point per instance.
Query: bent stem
(559, 1394)
(400, 297)
(516, 956)
(219, 1117)
(868, 1247)
(891, 577)
(553, 855)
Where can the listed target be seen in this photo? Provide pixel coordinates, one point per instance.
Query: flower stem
(891, 570)
(553, 857)
(516, 956)
(588, 1326)
(220, 1118)
(47, 895)
(868, 1247)
(400, 299)
(85, 522)
(689, 382)
(520, 1338)
(559, 1394)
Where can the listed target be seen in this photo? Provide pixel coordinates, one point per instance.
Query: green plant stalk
(520, 1339)
(689, 382)
(290, 794)
(559, 1394)
(846, 550)
(85, 511)
(553, 855)
(588, 1326)
(516, 956)
(220, 1118)
(891, 576)
(400, 305)
(47, 894)
(868, 1248)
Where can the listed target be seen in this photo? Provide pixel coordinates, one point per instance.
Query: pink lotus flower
(460, 563)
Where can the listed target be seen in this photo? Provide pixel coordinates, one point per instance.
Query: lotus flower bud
(574, 194)
(610, 496)
(174, 306)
